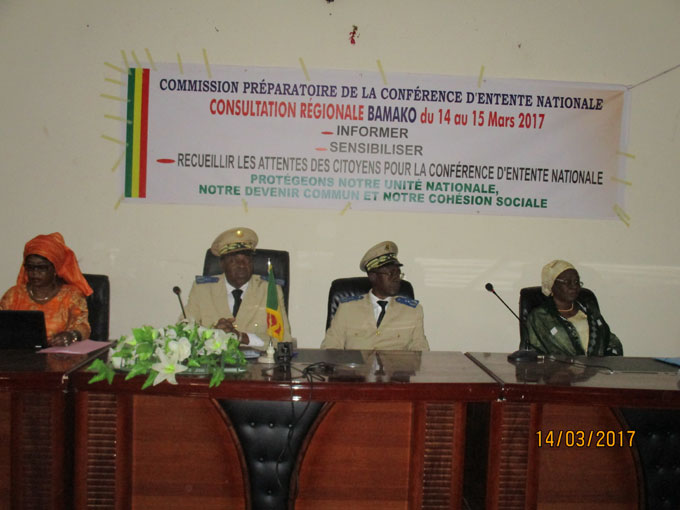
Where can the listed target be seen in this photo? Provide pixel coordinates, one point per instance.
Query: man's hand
(228, 326)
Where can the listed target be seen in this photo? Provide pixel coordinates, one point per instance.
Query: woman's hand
(65, 338)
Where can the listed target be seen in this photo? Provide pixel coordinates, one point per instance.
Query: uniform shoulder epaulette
(206, 279)
(355, 297)
(407, 301)
(278, 281)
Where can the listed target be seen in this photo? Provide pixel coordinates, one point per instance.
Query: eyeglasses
(570, 283)
(391, 274)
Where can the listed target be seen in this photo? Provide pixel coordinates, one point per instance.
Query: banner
(400, 142)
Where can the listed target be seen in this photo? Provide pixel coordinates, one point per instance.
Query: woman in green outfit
(566, 325)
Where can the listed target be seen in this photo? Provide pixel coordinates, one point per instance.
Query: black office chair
(658, 446)
(270, 433)
(346, 287)
(98, 306)
(280, 263)
(271, 436)
(530, 298)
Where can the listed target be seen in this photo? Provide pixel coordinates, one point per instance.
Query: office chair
(98, 306)
(346, 287)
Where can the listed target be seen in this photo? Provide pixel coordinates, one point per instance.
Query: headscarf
(53, 248)
(550, 272)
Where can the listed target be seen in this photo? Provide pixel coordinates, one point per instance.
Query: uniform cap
(380, 255)
(234, 240)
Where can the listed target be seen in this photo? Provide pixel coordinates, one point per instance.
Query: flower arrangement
(162, 353)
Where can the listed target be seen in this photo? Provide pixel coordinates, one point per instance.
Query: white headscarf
(551, 271)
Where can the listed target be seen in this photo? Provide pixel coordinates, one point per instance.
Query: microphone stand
(178, 291)
(521, 354)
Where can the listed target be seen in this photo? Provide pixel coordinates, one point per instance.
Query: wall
(59, 174)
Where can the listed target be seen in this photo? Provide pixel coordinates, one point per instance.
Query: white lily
(215, 344)
(181, 348)
(167, 367)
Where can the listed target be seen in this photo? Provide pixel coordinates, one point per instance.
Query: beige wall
(57, 170)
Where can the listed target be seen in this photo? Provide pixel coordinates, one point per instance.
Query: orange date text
(585, 438)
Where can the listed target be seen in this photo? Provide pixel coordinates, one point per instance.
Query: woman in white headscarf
(565, 325)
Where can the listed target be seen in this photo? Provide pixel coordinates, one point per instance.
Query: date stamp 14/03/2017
(585, 438)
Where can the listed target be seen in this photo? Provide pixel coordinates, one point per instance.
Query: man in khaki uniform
(378, 320)
(235, 301)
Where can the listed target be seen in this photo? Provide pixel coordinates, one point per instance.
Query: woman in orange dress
(50, 281)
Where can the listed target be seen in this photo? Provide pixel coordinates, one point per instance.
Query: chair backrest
(280, 263)
(271, 436)
(98, 306)
(346, 287)
(656, 433)
(530, 298)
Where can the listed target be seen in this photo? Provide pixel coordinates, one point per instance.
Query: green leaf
(138, 369)
(96, 365)
(145, 351)
(97, 377)
(193, 334)
(149, 380)
(103, 370)
(217, 377)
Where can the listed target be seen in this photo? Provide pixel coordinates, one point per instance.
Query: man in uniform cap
(235, 301)
(380, 319)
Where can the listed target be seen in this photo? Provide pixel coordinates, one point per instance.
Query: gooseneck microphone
(522, 354)
(178, 291)
(490, 288)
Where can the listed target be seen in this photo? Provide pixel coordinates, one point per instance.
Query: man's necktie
(382, 304)
(237, 300)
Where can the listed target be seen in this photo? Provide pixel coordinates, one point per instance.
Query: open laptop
(22, 329)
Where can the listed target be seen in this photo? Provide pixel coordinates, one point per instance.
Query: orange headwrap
(53, 248)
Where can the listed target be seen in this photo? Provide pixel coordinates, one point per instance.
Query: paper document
(82, 347)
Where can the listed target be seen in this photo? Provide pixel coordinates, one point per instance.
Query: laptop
(22, 329)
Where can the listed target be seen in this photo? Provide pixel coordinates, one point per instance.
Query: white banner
(407, 142)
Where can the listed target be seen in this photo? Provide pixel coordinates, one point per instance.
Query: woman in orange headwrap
(50, 281)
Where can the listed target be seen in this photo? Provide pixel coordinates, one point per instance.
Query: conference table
(381, 430)
(345, 429)
(582, 432)
(36, 427)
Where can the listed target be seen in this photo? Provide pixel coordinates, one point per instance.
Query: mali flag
(137, 131)
(274, 321)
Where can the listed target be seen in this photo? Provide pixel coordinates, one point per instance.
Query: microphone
(490, 288)
(178, 291)
(522, 354)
